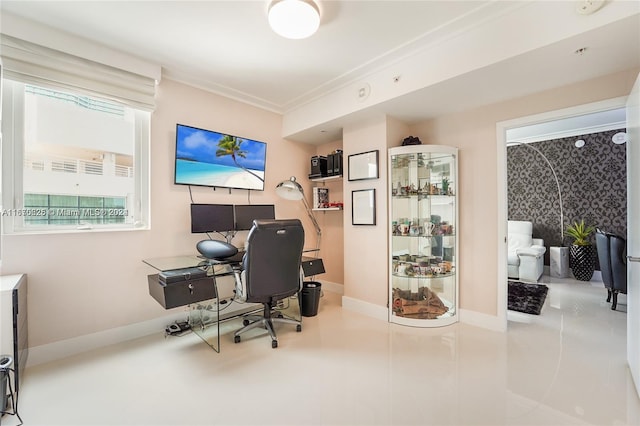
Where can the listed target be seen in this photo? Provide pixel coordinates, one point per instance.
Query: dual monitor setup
(228, 218)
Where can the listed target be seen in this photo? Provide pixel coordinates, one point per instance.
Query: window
(72, 161)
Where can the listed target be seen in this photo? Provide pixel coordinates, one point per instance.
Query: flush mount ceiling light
(294, 19)
(587, 7)
(620, 138)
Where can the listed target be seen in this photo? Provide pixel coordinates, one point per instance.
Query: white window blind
(34, 64)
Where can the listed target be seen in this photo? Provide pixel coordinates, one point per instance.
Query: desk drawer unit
(181, 293)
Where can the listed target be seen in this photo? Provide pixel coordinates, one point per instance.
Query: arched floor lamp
(563, 252)
(555, 176)
(291, 190)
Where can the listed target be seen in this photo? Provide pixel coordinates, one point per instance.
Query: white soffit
(540, 34)
(567, 127)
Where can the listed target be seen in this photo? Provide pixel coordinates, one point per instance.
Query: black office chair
(613, 264)
(270, 271)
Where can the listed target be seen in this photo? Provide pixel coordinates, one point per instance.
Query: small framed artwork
(363, 166)
(363, 207)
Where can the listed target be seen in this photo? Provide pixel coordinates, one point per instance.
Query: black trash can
(310, 298)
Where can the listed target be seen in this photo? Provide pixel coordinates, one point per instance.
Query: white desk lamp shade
(295, 19)
(290, 189)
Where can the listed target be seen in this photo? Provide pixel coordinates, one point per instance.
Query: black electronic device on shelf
(334, 163)
(318, 167)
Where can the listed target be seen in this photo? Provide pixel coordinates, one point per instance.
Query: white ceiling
(227, 47)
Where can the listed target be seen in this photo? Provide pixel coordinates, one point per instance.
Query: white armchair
(525, 254)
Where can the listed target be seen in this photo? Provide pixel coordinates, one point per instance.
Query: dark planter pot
(582, 260)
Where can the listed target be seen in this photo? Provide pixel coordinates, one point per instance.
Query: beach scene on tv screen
(208, 158)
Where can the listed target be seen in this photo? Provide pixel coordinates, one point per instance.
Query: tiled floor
(564, 367)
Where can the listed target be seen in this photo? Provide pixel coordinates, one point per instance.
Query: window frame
(13, 210)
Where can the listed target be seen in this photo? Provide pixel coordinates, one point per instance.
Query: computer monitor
(211, 218)
(246, 213)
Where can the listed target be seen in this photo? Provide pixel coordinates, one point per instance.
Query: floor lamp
(291, 190)
(558, 256)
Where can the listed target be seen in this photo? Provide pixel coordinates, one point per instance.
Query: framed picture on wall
(363, 207)
(363, 166)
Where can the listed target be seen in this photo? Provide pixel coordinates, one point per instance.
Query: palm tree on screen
(230, 145)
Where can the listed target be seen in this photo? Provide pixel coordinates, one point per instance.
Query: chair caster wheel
(274, 344)
(298, 328)
(236, 339)
(245, 322)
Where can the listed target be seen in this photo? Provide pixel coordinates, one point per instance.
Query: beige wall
(474, 133)
(365, 246)
(81, 283)
(85, 282)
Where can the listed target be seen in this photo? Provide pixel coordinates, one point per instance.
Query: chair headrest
(520, 227)
(276, 223)
(214, 249)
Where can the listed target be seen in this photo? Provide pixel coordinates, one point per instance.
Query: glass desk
(202, 297)
(199, 294)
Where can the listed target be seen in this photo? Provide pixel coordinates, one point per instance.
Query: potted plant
(582, 254)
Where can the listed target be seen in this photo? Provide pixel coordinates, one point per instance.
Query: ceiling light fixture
(620, 138)
(587, 7)
(295, 19)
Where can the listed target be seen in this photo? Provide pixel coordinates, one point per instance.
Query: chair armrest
(537, 242)
(541, 248)
(533, 251)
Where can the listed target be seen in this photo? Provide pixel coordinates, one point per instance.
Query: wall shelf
(326, 178)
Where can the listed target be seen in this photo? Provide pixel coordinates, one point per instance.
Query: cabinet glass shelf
(423, 235)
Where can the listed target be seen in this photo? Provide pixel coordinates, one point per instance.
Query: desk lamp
(291, 190)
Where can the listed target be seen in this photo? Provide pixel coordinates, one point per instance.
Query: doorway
(545, 126)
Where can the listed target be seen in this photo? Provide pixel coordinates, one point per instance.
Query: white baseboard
(478, 319)
(69, 347)
(332, 287)
(365, 308)
(65, 348)
(76, 345)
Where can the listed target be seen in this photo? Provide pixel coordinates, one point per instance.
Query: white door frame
(501, 134)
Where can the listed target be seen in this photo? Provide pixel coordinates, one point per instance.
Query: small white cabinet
(423, 235)
(13, 324)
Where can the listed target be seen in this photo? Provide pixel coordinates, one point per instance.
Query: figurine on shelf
(445, 186)
(409, 270)
(428, 228)
(423, 304)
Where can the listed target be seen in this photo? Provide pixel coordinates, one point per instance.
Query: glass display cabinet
(423, 214)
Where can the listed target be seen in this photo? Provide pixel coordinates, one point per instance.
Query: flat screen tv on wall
(208, 158)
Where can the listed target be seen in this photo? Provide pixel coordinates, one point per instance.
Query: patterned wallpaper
(593, 184)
